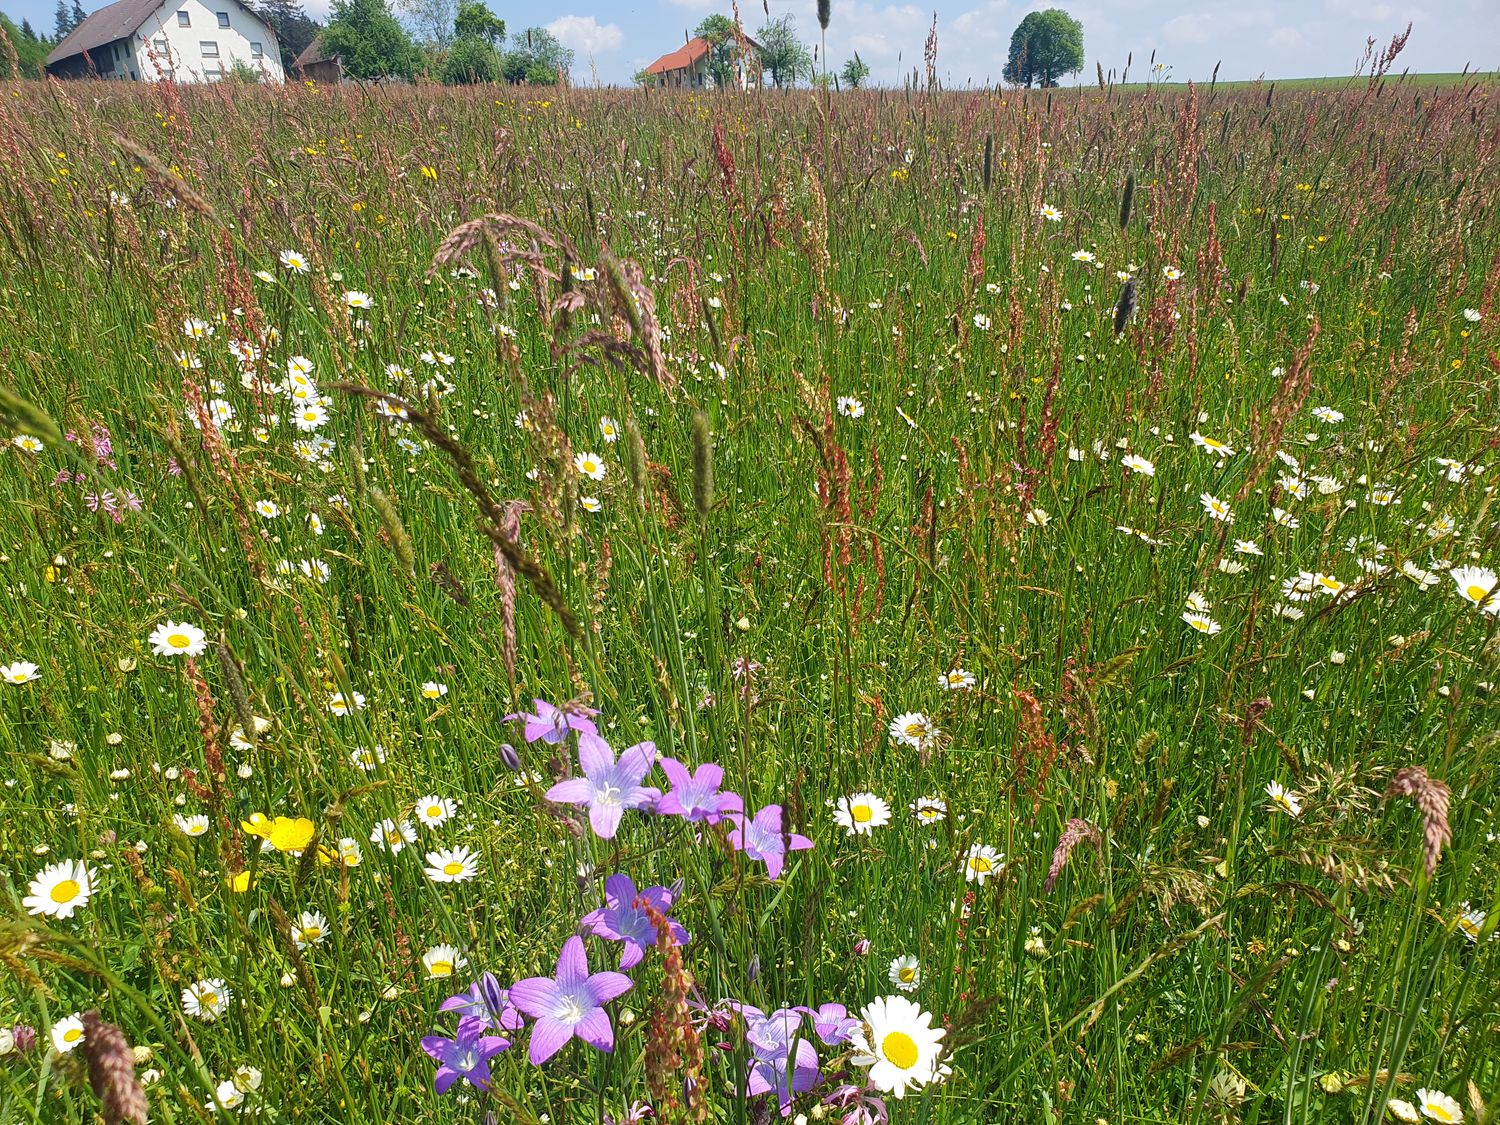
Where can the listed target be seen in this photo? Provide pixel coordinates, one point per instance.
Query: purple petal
(632, 955)
(594, 755)
(444, 1078)
(596, 1030)
(572, 963)
(534, 995)
(769, 818)
(635, 762)
(605, 820)
(619, 890)
(547, 1038)
(570, 791)
(676, 772)
(604, 987)
(437, 1046)
(799, 843)
(774, 864)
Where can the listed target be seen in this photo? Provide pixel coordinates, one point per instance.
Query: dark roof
(314, 54)
(119, 20)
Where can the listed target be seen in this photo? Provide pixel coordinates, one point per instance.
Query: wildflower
(770, 1037)
(590, 504)
(1211, 445)
(956, 679)
(432, 689)
(1138, 464)
(195, 329)
(1479, 585)
(929, 810)
(339, 705)
(1051, 213)
(59, 889)
(207, 999)
(467, 1055)
(191, 826)
(569, 1004)
(760, 837)
(393, 836)
(1327, 414)
(552, 724)
(20, 672)
(1283, 518)
(623, 918)
(310, 417)
(173, 639)
(696, 796)
(285, 834)
(1283, 798)
(1216, 508)
(293, 261)
(981, 862)
(433, 812)
(850, 407)
(589, 465)
(26, 443)
(1247, 547)
(1202, 623)
(914, 729)
(452, 865)
(609, 430)
(309, 929)
(1473, 316)
(1084, 256)
(1038, 517)
(366, 759)
(1171, 273)
(906, 973)
(608, 787)
(1197, 602)
(861, 814)
(442, 961)
(982, 322)
(358, 300)
(486, 1002)
(1439, 1106)
(67, 1033)
(899, 1044)
(267, 509)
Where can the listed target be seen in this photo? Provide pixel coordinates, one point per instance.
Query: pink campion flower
(608, 787)
(569, 1005)
(761, 838)
(551, 724)
(130, 500)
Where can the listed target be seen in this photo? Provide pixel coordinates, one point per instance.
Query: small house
(688, 67)
(174, 40)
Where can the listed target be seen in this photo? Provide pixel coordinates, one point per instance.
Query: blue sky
(1274, 38)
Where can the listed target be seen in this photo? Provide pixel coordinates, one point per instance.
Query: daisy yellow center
(1439, 1112)
(432, 693)
(1469, 926)
(179, 640)
(588, 466)
(1284, 801)
(915, 730)
(900, 1049)
(73, 1035)
(1212, 444)
(861, 814)
(907, 975)
(1477, 593)
(66, 891)
(393, 837)
(927, 814)
(434, 810)
(452, 868)
(981, 865)
(311, 933)
(442, 968)
(209, 999)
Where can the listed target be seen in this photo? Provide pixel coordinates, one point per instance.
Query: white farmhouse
(181, 40)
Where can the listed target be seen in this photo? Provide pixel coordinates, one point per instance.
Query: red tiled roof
(680, 59)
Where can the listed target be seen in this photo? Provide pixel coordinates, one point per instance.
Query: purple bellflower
(623, 918)
(761, 838)
(832, 1022)
(551, 724)
(487, 1002)
(696, 796)
(608, 787)
(467, 1055)
(771, 1069)
(570, 1004)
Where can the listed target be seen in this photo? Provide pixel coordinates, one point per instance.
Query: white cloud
(587, 35)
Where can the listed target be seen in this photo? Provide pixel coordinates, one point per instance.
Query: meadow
(886, 606)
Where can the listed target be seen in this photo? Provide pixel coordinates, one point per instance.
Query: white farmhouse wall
(203, 51)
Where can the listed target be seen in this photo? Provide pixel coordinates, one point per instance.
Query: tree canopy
(295, 29)
(1045, 46)
(370, 41)
(31, 51)
(718, 31)
(855, 71)
(537, 58)
(782, 53)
